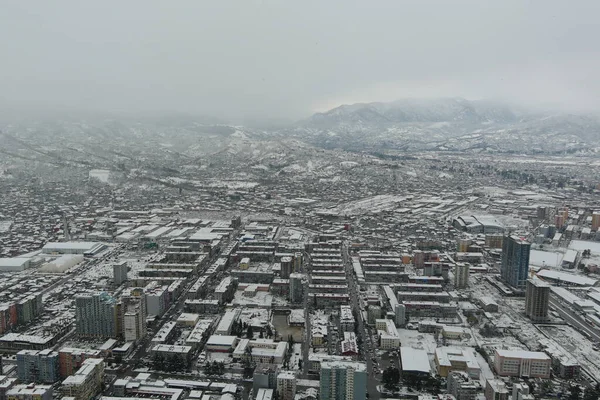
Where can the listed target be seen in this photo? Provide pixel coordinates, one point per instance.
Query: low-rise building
(263, 351)
(448, 359)
(522, 363)
(221, 343)
(29, 392)
(388, 334)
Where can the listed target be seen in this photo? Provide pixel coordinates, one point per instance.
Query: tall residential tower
(536, 300)
(343, 380)
(515, 261)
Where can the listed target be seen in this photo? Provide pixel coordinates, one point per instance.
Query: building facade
(296, 288)
(495, 389)
(522, 363)
(343, 380)
(120, 272)
(515, 261)
(461, 276)
(29, 392)
(86, 383)
(286, 385)
(70, 359)
(97, 315)
(134, 317)
(536, 300)
(461, 386)
(35, 366)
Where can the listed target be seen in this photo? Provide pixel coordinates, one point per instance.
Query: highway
(367, 347)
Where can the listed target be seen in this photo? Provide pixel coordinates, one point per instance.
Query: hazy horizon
(276, 61)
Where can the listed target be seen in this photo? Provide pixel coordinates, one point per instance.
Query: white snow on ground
(486, 371)
(296, 356)
(101, 174)
(373, 204)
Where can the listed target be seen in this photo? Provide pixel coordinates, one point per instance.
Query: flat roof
(414, 360)
(221, 340)
(70, 245)
(534, 355)
(13, 262)
(566, 277)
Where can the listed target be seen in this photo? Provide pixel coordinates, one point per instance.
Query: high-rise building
(463, 245)
(536, 300)
(287, 267)
(296, 288)
(343, 380)
(120, 272)
(461, 276)
(134, 317)
(515, 261)
(595, 220)
(286, 385)
(97, 315)
(346, 319)
(400, 312)
(37, 366)
(494, 241)
(265, 376)
(298, 262)
(156, 298)
(373, 313)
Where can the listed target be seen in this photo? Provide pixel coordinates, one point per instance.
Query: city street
(368, 348)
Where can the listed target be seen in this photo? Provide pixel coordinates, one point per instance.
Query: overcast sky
(287, 59)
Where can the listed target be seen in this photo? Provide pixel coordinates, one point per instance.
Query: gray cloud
(282, 59)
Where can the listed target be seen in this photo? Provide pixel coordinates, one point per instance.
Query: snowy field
(102, 175)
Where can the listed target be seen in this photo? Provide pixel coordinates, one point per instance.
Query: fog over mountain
(263, 61)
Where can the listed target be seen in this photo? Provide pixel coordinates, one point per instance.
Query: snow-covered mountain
(414, 110)
(452, 124)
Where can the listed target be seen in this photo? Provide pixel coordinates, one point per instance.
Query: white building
(388, 334)
(522, 363)
(227, 320)
(346, 319)
(14, 264)
(262, 351)
(286, 385)
(73, 248)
